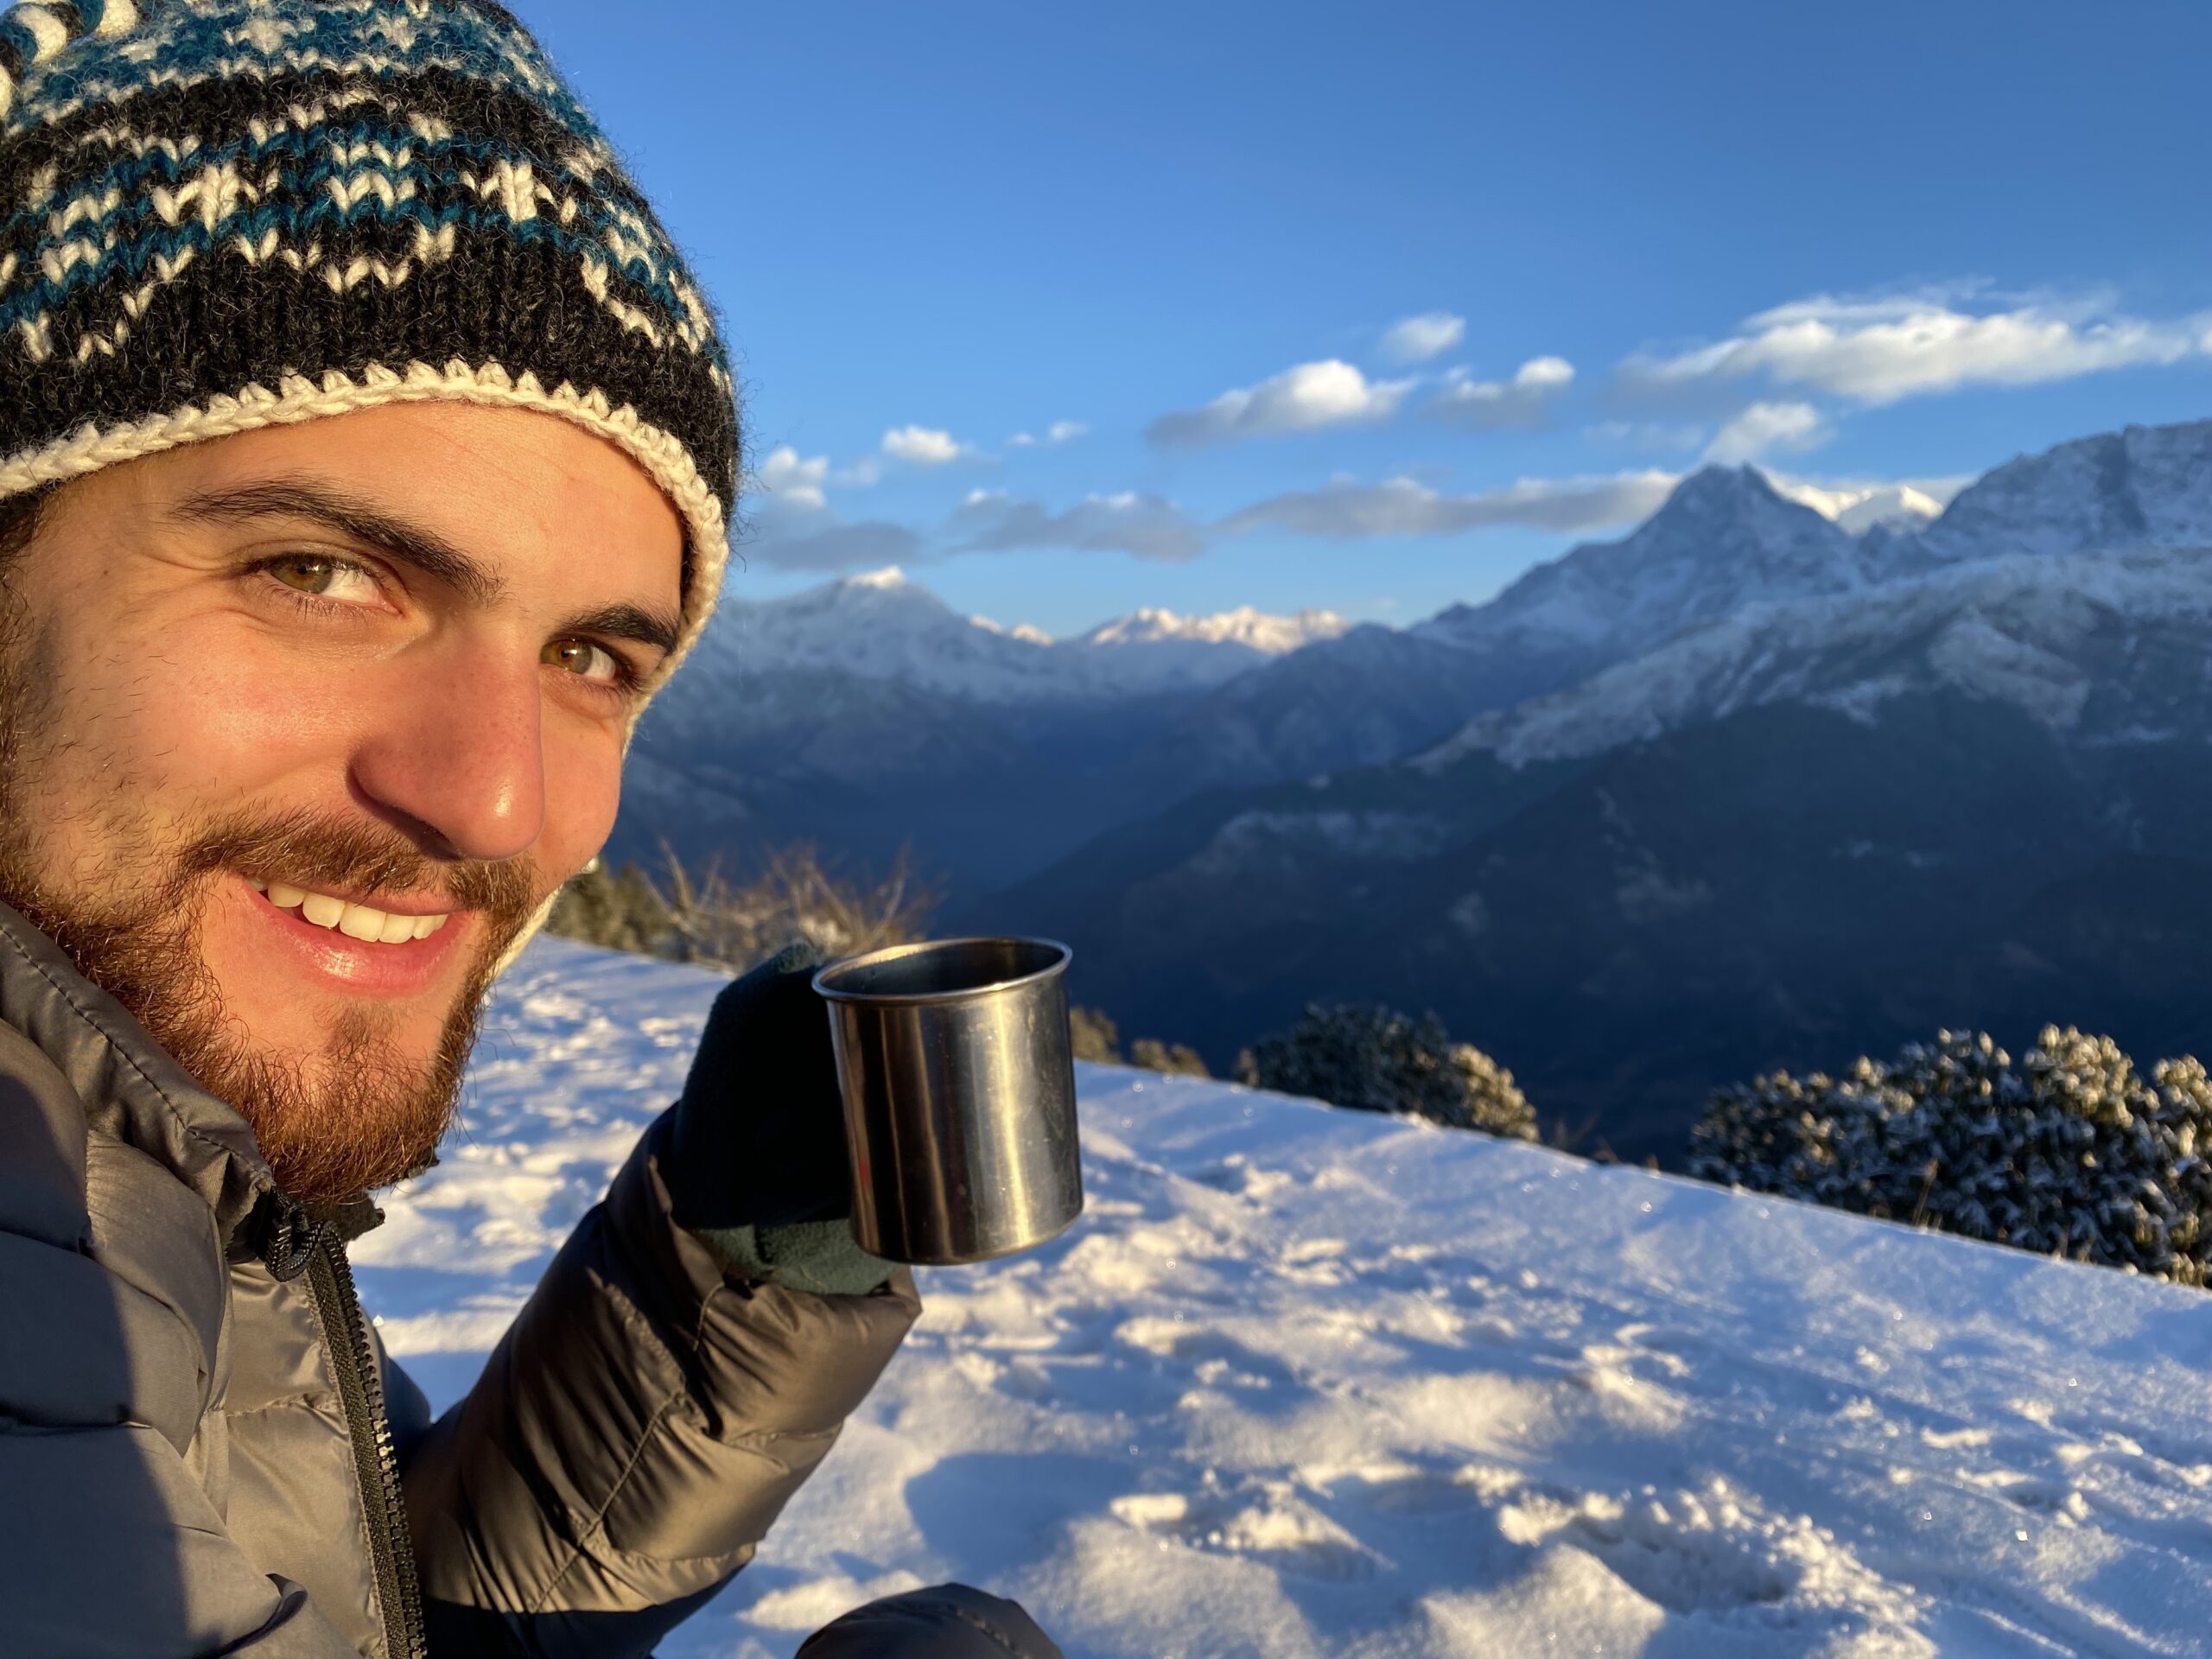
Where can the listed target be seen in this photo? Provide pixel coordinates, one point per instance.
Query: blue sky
(1856, 245)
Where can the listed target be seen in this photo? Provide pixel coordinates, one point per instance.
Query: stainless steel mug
(958, 1075)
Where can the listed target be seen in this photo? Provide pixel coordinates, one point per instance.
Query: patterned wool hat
(220, 215)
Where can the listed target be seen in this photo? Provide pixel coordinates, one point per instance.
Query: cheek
(584, 787)
(203, 715)
(225, 716)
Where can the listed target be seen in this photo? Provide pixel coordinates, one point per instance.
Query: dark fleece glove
(951, 1621)
(756, 1162)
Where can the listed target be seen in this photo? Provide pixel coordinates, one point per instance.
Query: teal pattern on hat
(220, 215)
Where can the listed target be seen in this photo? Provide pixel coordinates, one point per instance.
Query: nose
(458, 750)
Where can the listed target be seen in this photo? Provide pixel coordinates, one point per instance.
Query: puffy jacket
(204, 1449)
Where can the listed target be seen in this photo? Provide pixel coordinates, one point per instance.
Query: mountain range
(1748, 787)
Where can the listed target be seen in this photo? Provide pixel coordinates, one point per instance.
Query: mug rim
(832, 992)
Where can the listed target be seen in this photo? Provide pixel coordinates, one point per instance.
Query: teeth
(363, 921)
(359, 922)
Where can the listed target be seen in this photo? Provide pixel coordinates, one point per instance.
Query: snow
(2141, 486)
(1307, 1382)
(882, 624)
(1380, 836)
(2034, 631)
(1245, 626)
(1857, 508)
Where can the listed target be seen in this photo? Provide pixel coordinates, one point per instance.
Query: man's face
(298, 727)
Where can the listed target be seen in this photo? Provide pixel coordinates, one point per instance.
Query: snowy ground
(1307, 1382)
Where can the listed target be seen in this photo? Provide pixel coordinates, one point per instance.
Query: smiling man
(365, 460)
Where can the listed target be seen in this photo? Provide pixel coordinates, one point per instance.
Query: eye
(324, 577)
(586, 661)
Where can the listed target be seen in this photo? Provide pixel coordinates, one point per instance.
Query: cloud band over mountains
(1781, 384)
(1404, 506)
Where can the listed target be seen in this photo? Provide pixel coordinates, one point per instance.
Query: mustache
(312, 848)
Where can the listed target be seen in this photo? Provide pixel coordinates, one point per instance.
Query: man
(366, 459)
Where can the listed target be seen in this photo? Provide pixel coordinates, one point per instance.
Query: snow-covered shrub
(2071, 1153)
(618, 910)
(1179, 1058)
(1095, 1036)
(1374, 1059)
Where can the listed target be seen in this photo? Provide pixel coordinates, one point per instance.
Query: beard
(358, 1114)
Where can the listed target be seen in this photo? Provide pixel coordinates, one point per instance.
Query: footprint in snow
(1218, 1358)
(1265, 1522)
(1714, 1553)
(1411, 1489)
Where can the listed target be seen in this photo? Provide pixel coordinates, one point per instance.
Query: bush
(1095, 1037)
(2073, 1153)
(705, 918)
(1374, 1059)
(1098, 1039)
(1180, 1059)
(620, 909)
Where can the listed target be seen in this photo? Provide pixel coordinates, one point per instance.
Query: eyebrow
(297, 498)
(631, 622)
(410, 544)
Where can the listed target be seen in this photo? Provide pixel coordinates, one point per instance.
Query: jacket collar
(133, 1090)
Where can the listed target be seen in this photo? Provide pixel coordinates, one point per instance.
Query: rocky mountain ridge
(882, 624)
(1954, 777)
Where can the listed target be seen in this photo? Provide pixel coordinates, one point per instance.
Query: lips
(315, 954)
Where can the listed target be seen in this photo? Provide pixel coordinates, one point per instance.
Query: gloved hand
(756, 1162)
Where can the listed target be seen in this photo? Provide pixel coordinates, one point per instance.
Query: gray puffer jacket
(204, 1450)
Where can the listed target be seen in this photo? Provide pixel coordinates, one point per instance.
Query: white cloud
(1143, 526)
(1403, 507)
(859, 474)
(1489, 405)
(1876, 351)
(1311, 395)
(1416, 340)
(1058, 432)
(791, 480)
(925, 446)
(1764, 429)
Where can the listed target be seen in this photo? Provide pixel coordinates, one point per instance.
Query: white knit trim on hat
(297, 398)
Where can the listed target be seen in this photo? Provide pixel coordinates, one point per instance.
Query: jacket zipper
(360, 1391)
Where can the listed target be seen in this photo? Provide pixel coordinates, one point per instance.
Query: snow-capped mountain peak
(2041, 632)
(1892, 507)
(1724, 539)
(1735, 510)
(889, 576)
(1857, 509)
(1248, 626)
(883, 624)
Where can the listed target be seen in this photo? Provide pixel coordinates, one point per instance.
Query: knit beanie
(217, 215)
